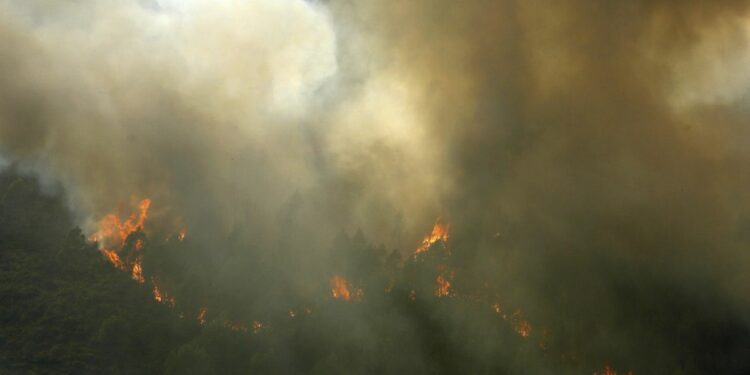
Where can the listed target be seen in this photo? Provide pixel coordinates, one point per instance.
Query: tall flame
(439, 233)
(113, 232)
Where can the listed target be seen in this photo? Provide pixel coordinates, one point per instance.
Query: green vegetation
(66, 310)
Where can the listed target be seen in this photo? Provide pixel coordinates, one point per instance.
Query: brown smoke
(575, 146)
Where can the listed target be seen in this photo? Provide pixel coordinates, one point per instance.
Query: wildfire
(521, 325)
(182, 234)
(161, 296)
(340, 289)
(113, 232)
(137, 274)
(202, 316)
(610, 371)
(235, 326)
(498, 310)
(257, 326)
(439, 233)
(523, 328)
(442, 286)
(137, 270)
(113, 258)
(113, 235)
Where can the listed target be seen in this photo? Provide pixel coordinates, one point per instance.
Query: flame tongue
(340, 288)
(138, 272)
(439, 233)
(113, 233)
(160, 295)
(113, 258)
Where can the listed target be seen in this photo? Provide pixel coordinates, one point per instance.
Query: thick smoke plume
(590, 156)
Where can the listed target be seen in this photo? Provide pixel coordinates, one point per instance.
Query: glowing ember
(340, 288)
(161, 296)
(235, 326)
(202, 316)
(497, 308)
(522, 326)
(182, 234)
(137, 273)
(610, 371)
(442, 286)
(113, 258)
(439, 233)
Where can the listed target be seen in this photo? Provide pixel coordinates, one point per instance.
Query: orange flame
(498, 309)
(182, 234)
(113, 258)
(161, 296)
(137, 271)
(442, 287)
(340, 288)
(520, 324)
(113, 232)
(523, 327)
(202, 316)
(137, 274)
(439, 233)
(610, 371)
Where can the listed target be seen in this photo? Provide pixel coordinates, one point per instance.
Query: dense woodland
(66, 310)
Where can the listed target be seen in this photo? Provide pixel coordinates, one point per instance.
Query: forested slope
(64, 308)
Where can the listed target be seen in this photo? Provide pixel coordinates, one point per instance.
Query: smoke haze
(590, 156)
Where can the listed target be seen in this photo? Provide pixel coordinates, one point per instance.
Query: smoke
(597, 151)
(203, 107)
(590, 156)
